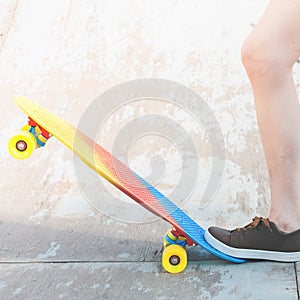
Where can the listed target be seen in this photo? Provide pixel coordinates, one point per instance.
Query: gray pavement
(90, 259)
(55, 243)
(147, 280)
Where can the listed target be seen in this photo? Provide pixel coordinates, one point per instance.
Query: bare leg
(268, 55)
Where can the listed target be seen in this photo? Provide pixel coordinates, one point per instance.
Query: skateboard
(43, 124)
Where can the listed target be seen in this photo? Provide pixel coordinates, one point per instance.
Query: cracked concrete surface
(54, 244)
(208, 280)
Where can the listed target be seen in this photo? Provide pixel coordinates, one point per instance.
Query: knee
(263, 58)
(251, 56)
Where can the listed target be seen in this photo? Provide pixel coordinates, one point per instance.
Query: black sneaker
(261, 239)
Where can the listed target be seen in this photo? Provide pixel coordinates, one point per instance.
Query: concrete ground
(67, 235)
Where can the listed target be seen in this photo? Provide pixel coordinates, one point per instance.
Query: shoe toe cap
(220, 234)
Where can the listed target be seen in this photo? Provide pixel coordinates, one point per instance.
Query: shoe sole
(251, 253)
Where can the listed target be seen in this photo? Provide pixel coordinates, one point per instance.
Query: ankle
(285, 222)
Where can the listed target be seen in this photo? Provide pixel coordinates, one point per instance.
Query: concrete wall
(64, 54)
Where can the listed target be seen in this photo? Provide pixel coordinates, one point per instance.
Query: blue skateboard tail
(180, 219)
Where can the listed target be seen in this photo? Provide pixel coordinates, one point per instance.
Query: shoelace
(255, 222)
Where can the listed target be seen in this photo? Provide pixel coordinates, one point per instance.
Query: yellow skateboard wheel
(26, 127)
(42, 139)
(169, 236)
(22, 145)
(174, 259)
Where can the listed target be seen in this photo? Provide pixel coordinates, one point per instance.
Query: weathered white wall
(64, 54)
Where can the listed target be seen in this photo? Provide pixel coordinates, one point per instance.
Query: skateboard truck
(174, 256)
(32, 136)
(177, 236)
(42, 136)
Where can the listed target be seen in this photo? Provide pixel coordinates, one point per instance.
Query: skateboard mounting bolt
(174, 260)
(21, 145)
